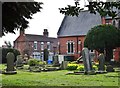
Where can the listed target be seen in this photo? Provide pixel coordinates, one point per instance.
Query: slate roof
(41, 38)
(38, 38)
(78, 26)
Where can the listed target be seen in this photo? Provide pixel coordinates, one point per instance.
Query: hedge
(6, 50)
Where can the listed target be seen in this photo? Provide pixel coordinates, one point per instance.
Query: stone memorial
(56, 61)
(10, 64)
(64, 65)
(87, 61)
(101, 59)
(19, 62)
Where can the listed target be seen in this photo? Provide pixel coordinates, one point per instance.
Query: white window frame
(72, 51)
(42, 45)
(48, 45)
(35, 45)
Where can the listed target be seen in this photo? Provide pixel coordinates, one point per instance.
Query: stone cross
(86, 60)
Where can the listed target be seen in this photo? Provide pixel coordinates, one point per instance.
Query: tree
(103, 8)
(103, 38)
(8, 44)
(15, 15)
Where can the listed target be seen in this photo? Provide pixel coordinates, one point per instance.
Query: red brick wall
(21, 44)
(77, 48)
(117, 54)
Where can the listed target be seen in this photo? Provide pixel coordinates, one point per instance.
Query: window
(48, 45)
(70, 47)
(42, 45)
(35, 45)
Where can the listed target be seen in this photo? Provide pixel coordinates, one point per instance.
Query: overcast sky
(49, 18)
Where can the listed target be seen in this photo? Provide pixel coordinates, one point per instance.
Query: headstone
(19, 62)
(55, 61)
(110, 68)
(64, 65)
(87, 61)
(10, 64)
(101, 59)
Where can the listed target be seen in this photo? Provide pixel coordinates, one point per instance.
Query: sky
(49, 18)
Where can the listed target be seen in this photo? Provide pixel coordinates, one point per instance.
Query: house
(72, 32)
(34, 45)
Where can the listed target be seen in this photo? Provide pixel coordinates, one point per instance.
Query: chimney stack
(22, 31)
(45, 33)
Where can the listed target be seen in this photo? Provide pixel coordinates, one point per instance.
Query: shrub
(95, 67)
(33, 62)
(42, 62)
(72, 66)
(6, 50)
(80, 68)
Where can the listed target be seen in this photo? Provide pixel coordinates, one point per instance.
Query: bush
(42, 63)
(80, 68)
(95, 67)
(72, 66)
(33, 62)
(6, 50)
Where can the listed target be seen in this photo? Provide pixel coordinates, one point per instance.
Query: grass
(58, 78)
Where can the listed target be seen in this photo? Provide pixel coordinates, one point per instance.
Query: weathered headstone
(64, 65)
(55, 61)
(10, 63)
(101, 59)
(19, 62)
(87, 61)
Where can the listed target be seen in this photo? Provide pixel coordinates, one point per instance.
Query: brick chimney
(22, 31)
(45, 33)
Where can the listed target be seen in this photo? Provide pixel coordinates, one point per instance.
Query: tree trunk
(108, 54)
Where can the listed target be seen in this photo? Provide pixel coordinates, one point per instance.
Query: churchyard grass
(58, 78)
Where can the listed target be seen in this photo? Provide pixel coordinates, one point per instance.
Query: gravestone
(55, 61)
(101, 59)
(64, 65)
(19, 62)
(10, 64)
(87, 61)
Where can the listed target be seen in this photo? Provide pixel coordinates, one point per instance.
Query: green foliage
(15, 15)
(103, 8)
(33, 62)
(71, 10)
(6, 50)
(72, 66)
(102, 36)
(80, 68)
(42, 62)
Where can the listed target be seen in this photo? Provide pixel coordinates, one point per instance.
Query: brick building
(34, 45)
(73, 30)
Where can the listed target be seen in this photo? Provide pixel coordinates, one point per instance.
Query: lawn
(59, 78)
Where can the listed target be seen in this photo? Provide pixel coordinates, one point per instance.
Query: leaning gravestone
(10, 64)
(87, 61)
(64, 65)
(101, 59)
